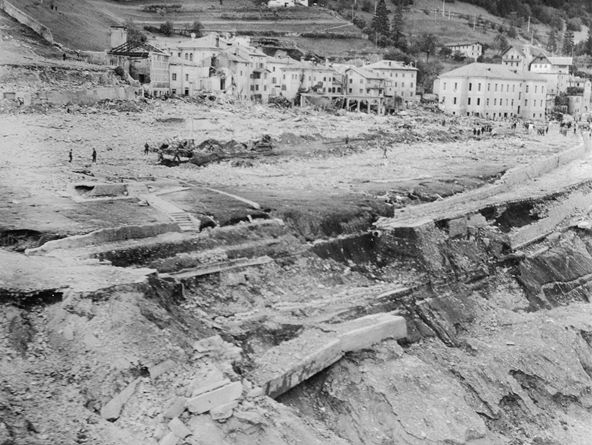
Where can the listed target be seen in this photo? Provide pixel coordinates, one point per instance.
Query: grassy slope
(76, 23)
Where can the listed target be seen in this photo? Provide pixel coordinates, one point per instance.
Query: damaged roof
(136, 50)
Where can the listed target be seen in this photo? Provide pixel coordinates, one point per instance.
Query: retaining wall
(102, 236)
(87, 96)
(26, 20)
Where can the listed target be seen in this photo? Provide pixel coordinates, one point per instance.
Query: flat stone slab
(216, 398)
(283, 367)
(23, 277)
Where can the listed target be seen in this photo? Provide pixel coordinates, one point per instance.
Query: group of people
(482, 130)
(93, 156)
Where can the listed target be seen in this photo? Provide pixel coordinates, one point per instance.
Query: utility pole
(528, 28)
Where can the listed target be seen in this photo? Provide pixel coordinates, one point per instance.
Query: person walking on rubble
(94, 155)
(177, 157)
(70, 156)
(146, 148)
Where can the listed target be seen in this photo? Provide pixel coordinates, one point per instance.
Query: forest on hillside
(551, 12)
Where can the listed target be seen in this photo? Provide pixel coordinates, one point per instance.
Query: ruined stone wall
(26, 20)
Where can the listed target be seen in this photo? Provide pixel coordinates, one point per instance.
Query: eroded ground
(130, 289)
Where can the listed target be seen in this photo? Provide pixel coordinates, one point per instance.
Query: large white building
(492, 91)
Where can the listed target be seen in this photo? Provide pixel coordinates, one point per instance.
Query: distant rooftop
(462, 43)
(390, 64)
(490, 70)
(136, 50)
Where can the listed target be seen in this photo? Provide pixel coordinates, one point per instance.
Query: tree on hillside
(552, 41)
(568, 43)
(427, 44)
(588, 44)
(380, 22)
(501, 42)
(397, 27)
(166, 28)
(134, 35)
(196, 28)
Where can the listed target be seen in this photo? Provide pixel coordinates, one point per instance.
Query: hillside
(84, 24)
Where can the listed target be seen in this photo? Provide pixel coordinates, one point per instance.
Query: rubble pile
(213, 150)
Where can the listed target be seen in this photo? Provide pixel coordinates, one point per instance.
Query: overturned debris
(212, 150)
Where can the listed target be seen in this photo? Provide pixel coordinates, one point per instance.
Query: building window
(443, 89)
(526, 88)
(350, 90)
(455, 100)
(478, 101)
(536, 88)
(525, 102)
(411, 86)
(187, 77)
(174, 91)
(495, 87)
(470, 86)
(488, 87)
(283, 87)
(494, 102)
(174, 76)
(455, 85)
(479, 86)
(469, 101)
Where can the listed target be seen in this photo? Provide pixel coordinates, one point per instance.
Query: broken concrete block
(457, 227)
(276, 383)
(251, 417)
(223, 412)
(367, 331)
(179, 428)
(169, 439)
(207, 387)
(215, 345)
(175, 407)
(112, 409)
(161, 368)
(212, 399)
(208, 344)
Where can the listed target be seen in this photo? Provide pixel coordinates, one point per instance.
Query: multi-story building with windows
(493, 91)
(556, 70)
(401, 79)
(472, 50)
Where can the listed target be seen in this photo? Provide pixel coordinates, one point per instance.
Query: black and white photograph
(295, 222)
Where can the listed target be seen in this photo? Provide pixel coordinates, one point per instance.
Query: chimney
(117, 36)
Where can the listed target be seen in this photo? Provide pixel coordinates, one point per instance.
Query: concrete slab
(213, 399)
(292, 362)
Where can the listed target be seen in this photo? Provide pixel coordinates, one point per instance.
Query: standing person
(94, 155)
(70, 156)
(385, 151)
(146, 148)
